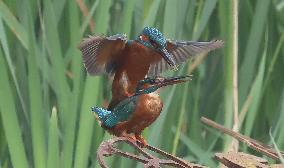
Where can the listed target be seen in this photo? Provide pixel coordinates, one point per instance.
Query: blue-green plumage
(123, 110)
(120, 113)
(154, 39)
(107, 117)
(155, 36)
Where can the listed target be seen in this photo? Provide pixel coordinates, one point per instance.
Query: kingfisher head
(154, 39)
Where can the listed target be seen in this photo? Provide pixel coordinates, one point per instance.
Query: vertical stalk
(229, 29)
(235, 144)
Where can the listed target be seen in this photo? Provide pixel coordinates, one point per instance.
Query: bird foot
(130, 137)
(141, 141)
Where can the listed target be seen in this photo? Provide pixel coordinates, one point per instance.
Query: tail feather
(106, 117)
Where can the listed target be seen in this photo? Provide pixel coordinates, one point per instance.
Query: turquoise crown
(154, 35)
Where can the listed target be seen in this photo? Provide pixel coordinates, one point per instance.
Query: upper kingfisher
(130, 61)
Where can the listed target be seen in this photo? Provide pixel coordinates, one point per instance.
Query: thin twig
(258, 146)
(107, 148)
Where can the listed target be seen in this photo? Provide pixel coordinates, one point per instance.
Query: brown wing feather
(182, 51)
(100, 53)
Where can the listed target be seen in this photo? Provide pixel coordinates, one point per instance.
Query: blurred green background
(45, 94)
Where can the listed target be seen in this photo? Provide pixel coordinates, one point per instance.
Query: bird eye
(143, 38)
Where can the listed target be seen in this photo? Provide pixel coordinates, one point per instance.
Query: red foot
(130, 137)
(142, 142)
(136, 138)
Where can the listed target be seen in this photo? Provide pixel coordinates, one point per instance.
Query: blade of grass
(84, 138)
(86, 128)
(202, 155)
(127, 16)
(59, 10)
(275, 56)
(151, 15)
(62, 91)
(4, 42)
(182, 14)
(57, 68)
(3, 143)
(248, 65)
(256, 95)
(197, 17)
(205, 16)
(53, 158)
(170, 15)
(44, 66)
(190, 19)
(76, 70)
(276, 147)
(14, 24)
(90, 14)
(180, 120)
(253, 96)
(280, 125)
(194, 123)
(102, 16)
(36, 104)
(10, 121)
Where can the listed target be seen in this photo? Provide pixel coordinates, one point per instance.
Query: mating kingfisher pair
(136, 65)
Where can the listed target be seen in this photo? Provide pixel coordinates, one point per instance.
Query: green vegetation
(46, 96)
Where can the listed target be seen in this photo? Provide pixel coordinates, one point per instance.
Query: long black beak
(159, 82)
(169, 58)
(172, 80)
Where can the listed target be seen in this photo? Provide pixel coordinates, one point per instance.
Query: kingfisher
(128, 117)
(146, 56)
(133, 63)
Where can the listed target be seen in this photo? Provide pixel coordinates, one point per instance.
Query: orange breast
(134, 61)
(146, 112)
(133, 66)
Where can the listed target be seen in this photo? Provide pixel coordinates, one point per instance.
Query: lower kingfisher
(128, 117)
(148, 55)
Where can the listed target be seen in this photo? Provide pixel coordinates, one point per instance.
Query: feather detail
(182, 51)
(99, 53)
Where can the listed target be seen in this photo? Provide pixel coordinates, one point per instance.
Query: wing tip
(86, 41)
(120, 36)
(218, 43)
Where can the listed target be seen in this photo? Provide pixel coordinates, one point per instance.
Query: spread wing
(100, 53)
(181, 51)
